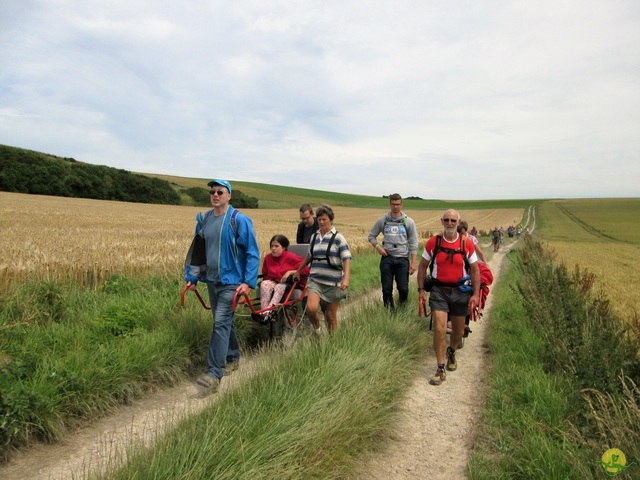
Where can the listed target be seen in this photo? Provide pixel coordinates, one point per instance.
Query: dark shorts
(449, 300)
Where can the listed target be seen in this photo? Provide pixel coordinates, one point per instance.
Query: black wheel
(291, 314)
(291, 317)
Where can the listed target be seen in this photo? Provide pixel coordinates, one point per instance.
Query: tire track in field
(584, 225)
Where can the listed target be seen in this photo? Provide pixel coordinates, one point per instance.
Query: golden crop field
(82, 240)
(603, 237)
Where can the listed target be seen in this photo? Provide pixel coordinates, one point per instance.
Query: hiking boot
(439, 377)
(230, 367)
(451, 359)
(259, 318)
(208, 382)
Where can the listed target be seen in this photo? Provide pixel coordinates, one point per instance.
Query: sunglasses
(450, 220)
(219, 192)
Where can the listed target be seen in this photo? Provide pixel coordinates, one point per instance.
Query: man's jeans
(223, 345)
(398, 268)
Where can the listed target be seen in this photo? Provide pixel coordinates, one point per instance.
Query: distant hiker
(224, 254)
(330, 260)
(308, 224)
(455, 284)
(495, 239)
(462, 230)
(400, 243)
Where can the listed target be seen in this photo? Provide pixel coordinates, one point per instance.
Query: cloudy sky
(437, 99)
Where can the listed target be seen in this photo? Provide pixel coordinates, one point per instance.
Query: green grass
(280, 196)
(69, 354)
(309, 413)
(591, 220)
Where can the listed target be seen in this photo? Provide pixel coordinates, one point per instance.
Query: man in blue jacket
(231, 266)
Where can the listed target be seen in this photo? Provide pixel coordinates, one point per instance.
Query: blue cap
(222, 183)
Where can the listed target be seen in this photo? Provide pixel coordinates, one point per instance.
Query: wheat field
(601, 236)
(86, 241)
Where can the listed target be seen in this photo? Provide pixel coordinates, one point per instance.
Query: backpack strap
(202, 220)
(234, 214)
(312, 245)
(450, 253)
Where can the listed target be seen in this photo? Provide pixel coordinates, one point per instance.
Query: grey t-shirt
(212, 233)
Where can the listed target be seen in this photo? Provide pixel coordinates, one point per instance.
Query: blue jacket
(239, 253)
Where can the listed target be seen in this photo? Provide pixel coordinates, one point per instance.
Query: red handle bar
(184, 290)
(473, 311)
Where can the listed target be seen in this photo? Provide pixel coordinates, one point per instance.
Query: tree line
(27, 171)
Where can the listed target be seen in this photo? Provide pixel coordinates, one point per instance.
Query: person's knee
(313, 303)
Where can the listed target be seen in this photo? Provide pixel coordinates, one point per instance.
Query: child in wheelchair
(278, 268)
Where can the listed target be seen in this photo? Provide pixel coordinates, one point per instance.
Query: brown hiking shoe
(208, 382)
(451, 359)
(439, 377)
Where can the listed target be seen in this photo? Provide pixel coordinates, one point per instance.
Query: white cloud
(439, 100)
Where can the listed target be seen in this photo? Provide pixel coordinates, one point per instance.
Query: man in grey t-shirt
(398, 250)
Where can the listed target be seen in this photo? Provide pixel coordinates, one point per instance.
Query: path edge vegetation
(563, 383)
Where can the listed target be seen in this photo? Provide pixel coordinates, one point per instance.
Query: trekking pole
(184, 290)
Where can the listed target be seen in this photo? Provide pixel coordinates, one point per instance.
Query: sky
(437, 99)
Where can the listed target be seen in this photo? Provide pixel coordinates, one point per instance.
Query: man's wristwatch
(420, 289)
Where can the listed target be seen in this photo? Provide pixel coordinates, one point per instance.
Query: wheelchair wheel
(291, 314)
(290, 322)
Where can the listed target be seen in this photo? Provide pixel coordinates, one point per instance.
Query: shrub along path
(433, 440)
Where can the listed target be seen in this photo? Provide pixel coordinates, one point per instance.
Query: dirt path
(438, 426)
(434, 438)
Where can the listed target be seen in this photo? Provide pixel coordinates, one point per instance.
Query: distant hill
(278, 196)
(28, 171)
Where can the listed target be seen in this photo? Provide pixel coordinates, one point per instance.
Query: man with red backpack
(454, 283)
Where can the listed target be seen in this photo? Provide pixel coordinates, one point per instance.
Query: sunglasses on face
(218, 192)
(450, 220)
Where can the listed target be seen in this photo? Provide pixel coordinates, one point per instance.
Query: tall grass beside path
(309, 414)
(69, 354)
(561, 388)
